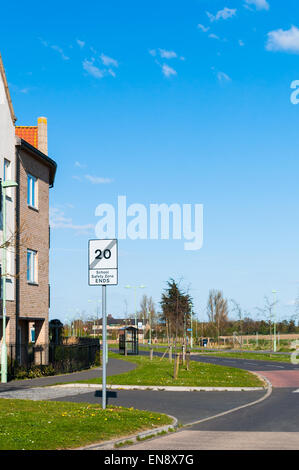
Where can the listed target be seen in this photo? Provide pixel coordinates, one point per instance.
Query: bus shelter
(128, 340)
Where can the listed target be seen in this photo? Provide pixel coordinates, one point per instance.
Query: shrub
(48, 370)
(97, 360)
(34, 372)
(21, 374)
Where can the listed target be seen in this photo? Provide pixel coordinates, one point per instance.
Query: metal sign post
(104, 342)
(103, 271)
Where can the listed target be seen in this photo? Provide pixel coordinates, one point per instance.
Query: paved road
(185, 406)
(271, 424)
(268, 425)
(246, 364)
(114, 367)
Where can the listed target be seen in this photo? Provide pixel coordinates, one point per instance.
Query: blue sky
(166, 102)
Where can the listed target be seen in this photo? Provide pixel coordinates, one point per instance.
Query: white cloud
(222, 14)
(167, 54)
(168, 71)
(79, 165)
(55, 48)
(203, 28)
(91, 69)
(81, 44)
(60, 51)
(15, 88)
(59, 220)
(223, 77)
(111, 72)
(286, 41)
(241, 43)
(98, 72)
(98, 179)
(164, 54)
(259, 4)
(213, 36)
(108, 61)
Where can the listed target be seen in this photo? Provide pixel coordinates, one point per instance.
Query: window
(6, 170)
(32, 266)
(7, 175)
(31, 191)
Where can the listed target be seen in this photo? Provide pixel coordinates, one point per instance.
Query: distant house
(113, 326)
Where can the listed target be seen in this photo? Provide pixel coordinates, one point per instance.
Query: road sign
(102, 271)
(103, 263)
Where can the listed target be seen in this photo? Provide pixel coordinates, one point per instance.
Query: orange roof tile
(28, 133)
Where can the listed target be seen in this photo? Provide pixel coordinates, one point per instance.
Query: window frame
(32, 266)
(7, 175)
(32, 191)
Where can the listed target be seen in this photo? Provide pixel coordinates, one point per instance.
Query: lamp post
(135, 288)
(150, 330)
(191, 340)
(4, 185)
(274, 292)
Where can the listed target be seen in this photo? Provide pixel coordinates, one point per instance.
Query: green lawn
(238, 355)
(43, 425)
(157, 372)
(253, 356)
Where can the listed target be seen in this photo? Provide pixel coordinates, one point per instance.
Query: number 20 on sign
(103, 262)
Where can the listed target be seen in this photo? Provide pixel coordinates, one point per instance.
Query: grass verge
(160, 373)
(42, 425)
(253, 356)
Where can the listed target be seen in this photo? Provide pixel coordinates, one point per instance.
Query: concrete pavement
(219, 440)
(114, 367)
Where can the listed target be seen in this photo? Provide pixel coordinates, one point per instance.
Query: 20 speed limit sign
(102, 255)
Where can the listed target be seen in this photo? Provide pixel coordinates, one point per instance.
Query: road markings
(279, 367)
(264, 397)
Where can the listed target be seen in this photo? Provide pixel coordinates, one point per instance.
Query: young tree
(241, 317)
(217, 310)
(143, 313)
(176, 310)
(267, 311)
(147, 311)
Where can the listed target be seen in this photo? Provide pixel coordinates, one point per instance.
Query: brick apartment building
(35, 173)
(7, 165)
(28, 304)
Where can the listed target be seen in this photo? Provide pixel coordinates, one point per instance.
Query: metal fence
(50, 359)
(73, 357)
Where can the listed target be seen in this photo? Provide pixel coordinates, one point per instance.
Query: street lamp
(191, 340)
(274, 292)
(150, 330)
(135, 287)
(4, 185)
